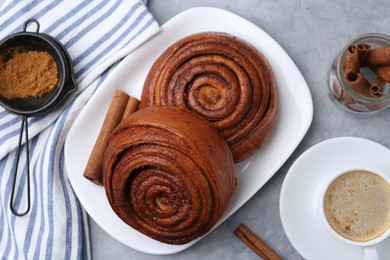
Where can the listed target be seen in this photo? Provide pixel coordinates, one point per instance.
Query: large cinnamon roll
(166, 179)
(221, 78)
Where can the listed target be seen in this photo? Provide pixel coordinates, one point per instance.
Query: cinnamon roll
(221, 78)
(163, 178)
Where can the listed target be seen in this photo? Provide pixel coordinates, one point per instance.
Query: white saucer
(299, 198)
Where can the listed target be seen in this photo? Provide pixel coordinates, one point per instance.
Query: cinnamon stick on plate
(131, 107)
(121, 103)
(255, 243)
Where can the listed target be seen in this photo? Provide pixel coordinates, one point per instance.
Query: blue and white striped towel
(97, 35)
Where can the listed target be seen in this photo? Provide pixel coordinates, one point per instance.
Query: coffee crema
(357, 205)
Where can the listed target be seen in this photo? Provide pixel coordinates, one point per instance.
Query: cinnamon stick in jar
(377, 57)
(121, 103)
(255, 243)
(358, 83)
(363, 49)
(377, 87)
(383, 72)
(351, 62)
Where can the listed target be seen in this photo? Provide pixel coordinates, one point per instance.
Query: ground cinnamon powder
(28, 74)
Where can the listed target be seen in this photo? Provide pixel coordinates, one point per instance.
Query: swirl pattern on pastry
(166, 180)
(221, 78)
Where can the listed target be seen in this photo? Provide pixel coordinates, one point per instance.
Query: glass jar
(340, 89)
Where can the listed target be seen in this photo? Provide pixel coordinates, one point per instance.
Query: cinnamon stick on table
(255, 243)
(120, 103)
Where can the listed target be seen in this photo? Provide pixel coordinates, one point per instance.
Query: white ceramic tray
(296, 110)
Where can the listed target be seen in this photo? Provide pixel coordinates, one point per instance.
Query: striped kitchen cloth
(97, 34)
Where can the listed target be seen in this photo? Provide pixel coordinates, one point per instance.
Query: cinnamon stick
(358, 83)
(377, 57)
(131, 107)
(255, 243)
(118, 106)
(377, 87)
(363, 49)
(383, 72)
(351, 61)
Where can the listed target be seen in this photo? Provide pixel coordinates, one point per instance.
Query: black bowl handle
(32, 20)
(24, 125)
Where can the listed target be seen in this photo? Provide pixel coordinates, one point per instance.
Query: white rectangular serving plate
(296, 112)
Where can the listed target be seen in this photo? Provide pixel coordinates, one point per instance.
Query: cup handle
(370, 253)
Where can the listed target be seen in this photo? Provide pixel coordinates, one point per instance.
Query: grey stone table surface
(311, 32)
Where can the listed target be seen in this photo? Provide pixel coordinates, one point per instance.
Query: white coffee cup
(355, 208)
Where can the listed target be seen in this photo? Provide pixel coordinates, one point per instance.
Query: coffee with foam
(357, 205)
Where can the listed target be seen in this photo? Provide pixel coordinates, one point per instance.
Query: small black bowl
(32, 106)
(35, 41)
